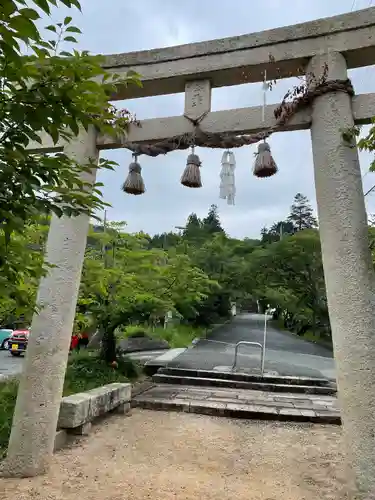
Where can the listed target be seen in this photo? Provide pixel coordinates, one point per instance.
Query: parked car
(17, 342)
(4, 338)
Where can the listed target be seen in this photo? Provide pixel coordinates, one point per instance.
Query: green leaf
(51, 27)
(24, 27)
(29, 13)
(70, 3)
(73, 29)
(44, 5)
(70, 39)
(67, 20)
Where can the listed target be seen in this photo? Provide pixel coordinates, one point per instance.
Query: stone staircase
(229, 380)
(240, 395)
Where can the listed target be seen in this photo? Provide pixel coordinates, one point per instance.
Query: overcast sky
(114, 26)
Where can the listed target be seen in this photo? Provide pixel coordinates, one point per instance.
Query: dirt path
(163, 456)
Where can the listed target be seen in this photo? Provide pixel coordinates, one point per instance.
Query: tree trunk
(38, 402)
(108, 350)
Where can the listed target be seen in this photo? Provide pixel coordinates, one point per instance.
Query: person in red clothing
(83, 340)
(74, 342)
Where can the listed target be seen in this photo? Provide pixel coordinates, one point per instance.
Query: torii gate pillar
(41, 384)
(349, 273)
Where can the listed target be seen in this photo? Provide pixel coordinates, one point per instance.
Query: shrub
(134, 331)
(8, 396)
(85, 371)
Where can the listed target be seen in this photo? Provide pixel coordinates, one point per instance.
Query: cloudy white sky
(115, 26)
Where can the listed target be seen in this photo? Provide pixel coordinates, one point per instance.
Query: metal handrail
(256, 344)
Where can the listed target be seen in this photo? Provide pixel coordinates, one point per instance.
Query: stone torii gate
(342, 42)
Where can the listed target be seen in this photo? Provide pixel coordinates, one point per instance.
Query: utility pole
(281, 231)
(104, 257)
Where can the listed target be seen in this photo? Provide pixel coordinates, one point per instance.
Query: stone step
(161, 378)
(240, 404)
(246, 377)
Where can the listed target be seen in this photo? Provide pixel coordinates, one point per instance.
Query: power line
(370, 190)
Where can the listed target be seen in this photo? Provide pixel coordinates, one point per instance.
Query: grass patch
(316, 338)
(85, 371)
(179, 335)
(8, 396)
(176, 335)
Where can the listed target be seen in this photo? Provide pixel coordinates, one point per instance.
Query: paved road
(286, 354)
(9, 365)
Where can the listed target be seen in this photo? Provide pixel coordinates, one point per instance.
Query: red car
(17, 343)
(18, 340)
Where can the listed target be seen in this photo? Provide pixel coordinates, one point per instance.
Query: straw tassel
(191, 176)
(134, 183)
(264, 165)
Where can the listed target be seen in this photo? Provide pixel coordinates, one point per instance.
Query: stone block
(302, 404)
(107, 398)
(123, 409)
(140, 387)
(150, 403)
(224, 395)
(74, 410)
(327, 418)
(81, 430)
(61, 440)
(278, 404)
(308, 413)
(290, 412)
(77, 409)
(250, 411)
(207, 408)
(224, 400)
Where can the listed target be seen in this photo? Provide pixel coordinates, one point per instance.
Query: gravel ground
(164, 456)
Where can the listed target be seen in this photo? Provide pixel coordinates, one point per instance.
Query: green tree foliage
(222, 258)
(44, 88)
(301, 214)
(193, 228)
(21, 274)
(165, 240)
(277, 231)
(288, 274)
(133, 283)
(211, 224)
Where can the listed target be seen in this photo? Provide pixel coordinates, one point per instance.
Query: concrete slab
(231, 403)
(167, 356)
